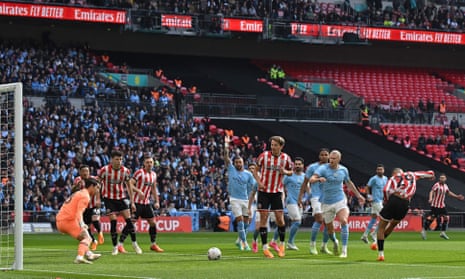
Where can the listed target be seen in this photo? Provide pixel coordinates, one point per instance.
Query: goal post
(11, 172)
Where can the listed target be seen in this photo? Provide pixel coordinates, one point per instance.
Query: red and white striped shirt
(114, 182)
(270, 167)
(93, 200)
(439, 195)
(405, 184)
(145, 181)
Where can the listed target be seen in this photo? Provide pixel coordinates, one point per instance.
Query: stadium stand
(377, 84)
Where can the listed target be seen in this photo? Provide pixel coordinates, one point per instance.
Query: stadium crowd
(446, 16)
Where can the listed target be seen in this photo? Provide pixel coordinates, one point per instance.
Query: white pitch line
(91, 274)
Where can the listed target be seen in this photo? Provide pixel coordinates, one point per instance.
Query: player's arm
(98, 200)
(227, 160)
(130, 185)
(251, 199)
(354, 189)
(460, 197)
(286, 171)
(304, 188)
(82, 204)
(424, 174)
(316, 178)
(156, 200)
(430, 196)
(256, 176)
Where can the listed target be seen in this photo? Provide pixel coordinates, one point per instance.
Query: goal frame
(17, 88)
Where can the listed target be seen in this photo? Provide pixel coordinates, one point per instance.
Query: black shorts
(116, 206)
(144, 211)
(88, 213)
(395, 209)
(436, 211)
(272, 201)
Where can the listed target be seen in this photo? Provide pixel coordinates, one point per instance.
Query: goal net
(11, 183)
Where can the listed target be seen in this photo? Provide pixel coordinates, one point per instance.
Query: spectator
(454, 123)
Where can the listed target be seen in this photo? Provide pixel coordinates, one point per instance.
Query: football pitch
(407, 256)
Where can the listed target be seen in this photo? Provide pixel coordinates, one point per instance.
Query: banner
(411, 223)
(375, 33)
(242, 25)
(136, 80)
(164, 224)
(62, 13)
(37, 227)
(176, 21)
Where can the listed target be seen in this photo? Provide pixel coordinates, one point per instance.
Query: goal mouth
(11, 176)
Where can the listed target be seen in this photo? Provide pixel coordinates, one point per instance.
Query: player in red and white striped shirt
(272, 165)
(92, 213)
(115, 178)
(437, 197)
(144, 185)
(398, 191)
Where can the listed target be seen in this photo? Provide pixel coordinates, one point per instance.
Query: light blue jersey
(376, 185)
(240, 183)
(292, 184)
(333, 190)
(316, 192)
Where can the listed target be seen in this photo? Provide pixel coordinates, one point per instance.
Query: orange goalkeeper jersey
(74, 206)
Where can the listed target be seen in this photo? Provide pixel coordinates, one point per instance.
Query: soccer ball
(214, 254)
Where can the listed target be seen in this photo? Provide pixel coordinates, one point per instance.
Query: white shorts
(316, 206)
(330, 210)
(239, 207)
(294, 212)
(376, 207)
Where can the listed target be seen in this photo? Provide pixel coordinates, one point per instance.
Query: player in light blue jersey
(334, 203)
(292, 184)
(240, 183)
(375, 196)
(315, 200)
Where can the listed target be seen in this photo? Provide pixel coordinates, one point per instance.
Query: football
(214, 253)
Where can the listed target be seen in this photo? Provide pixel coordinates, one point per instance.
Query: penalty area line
(91, 274)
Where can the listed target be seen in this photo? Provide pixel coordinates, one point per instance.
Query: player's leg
(375, 210)
(256, 231)
(370, 225)
(342, 214)
(97, 225)
(141, 210)
(112, 210)
(329, 213)
(444, 218)
(80, 233)
(246, 226)
(380, 238)
(281, 231)
(295, 214)
(237, 213)
(87, 218)
(272, 223)
(263, 205)
(153, 235)
(277, 207)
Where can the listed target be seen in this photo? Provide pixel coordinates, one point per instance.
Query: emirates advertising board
(63, 13)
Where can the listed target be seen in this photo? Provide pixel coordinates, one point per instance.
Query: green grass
(407, 256)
